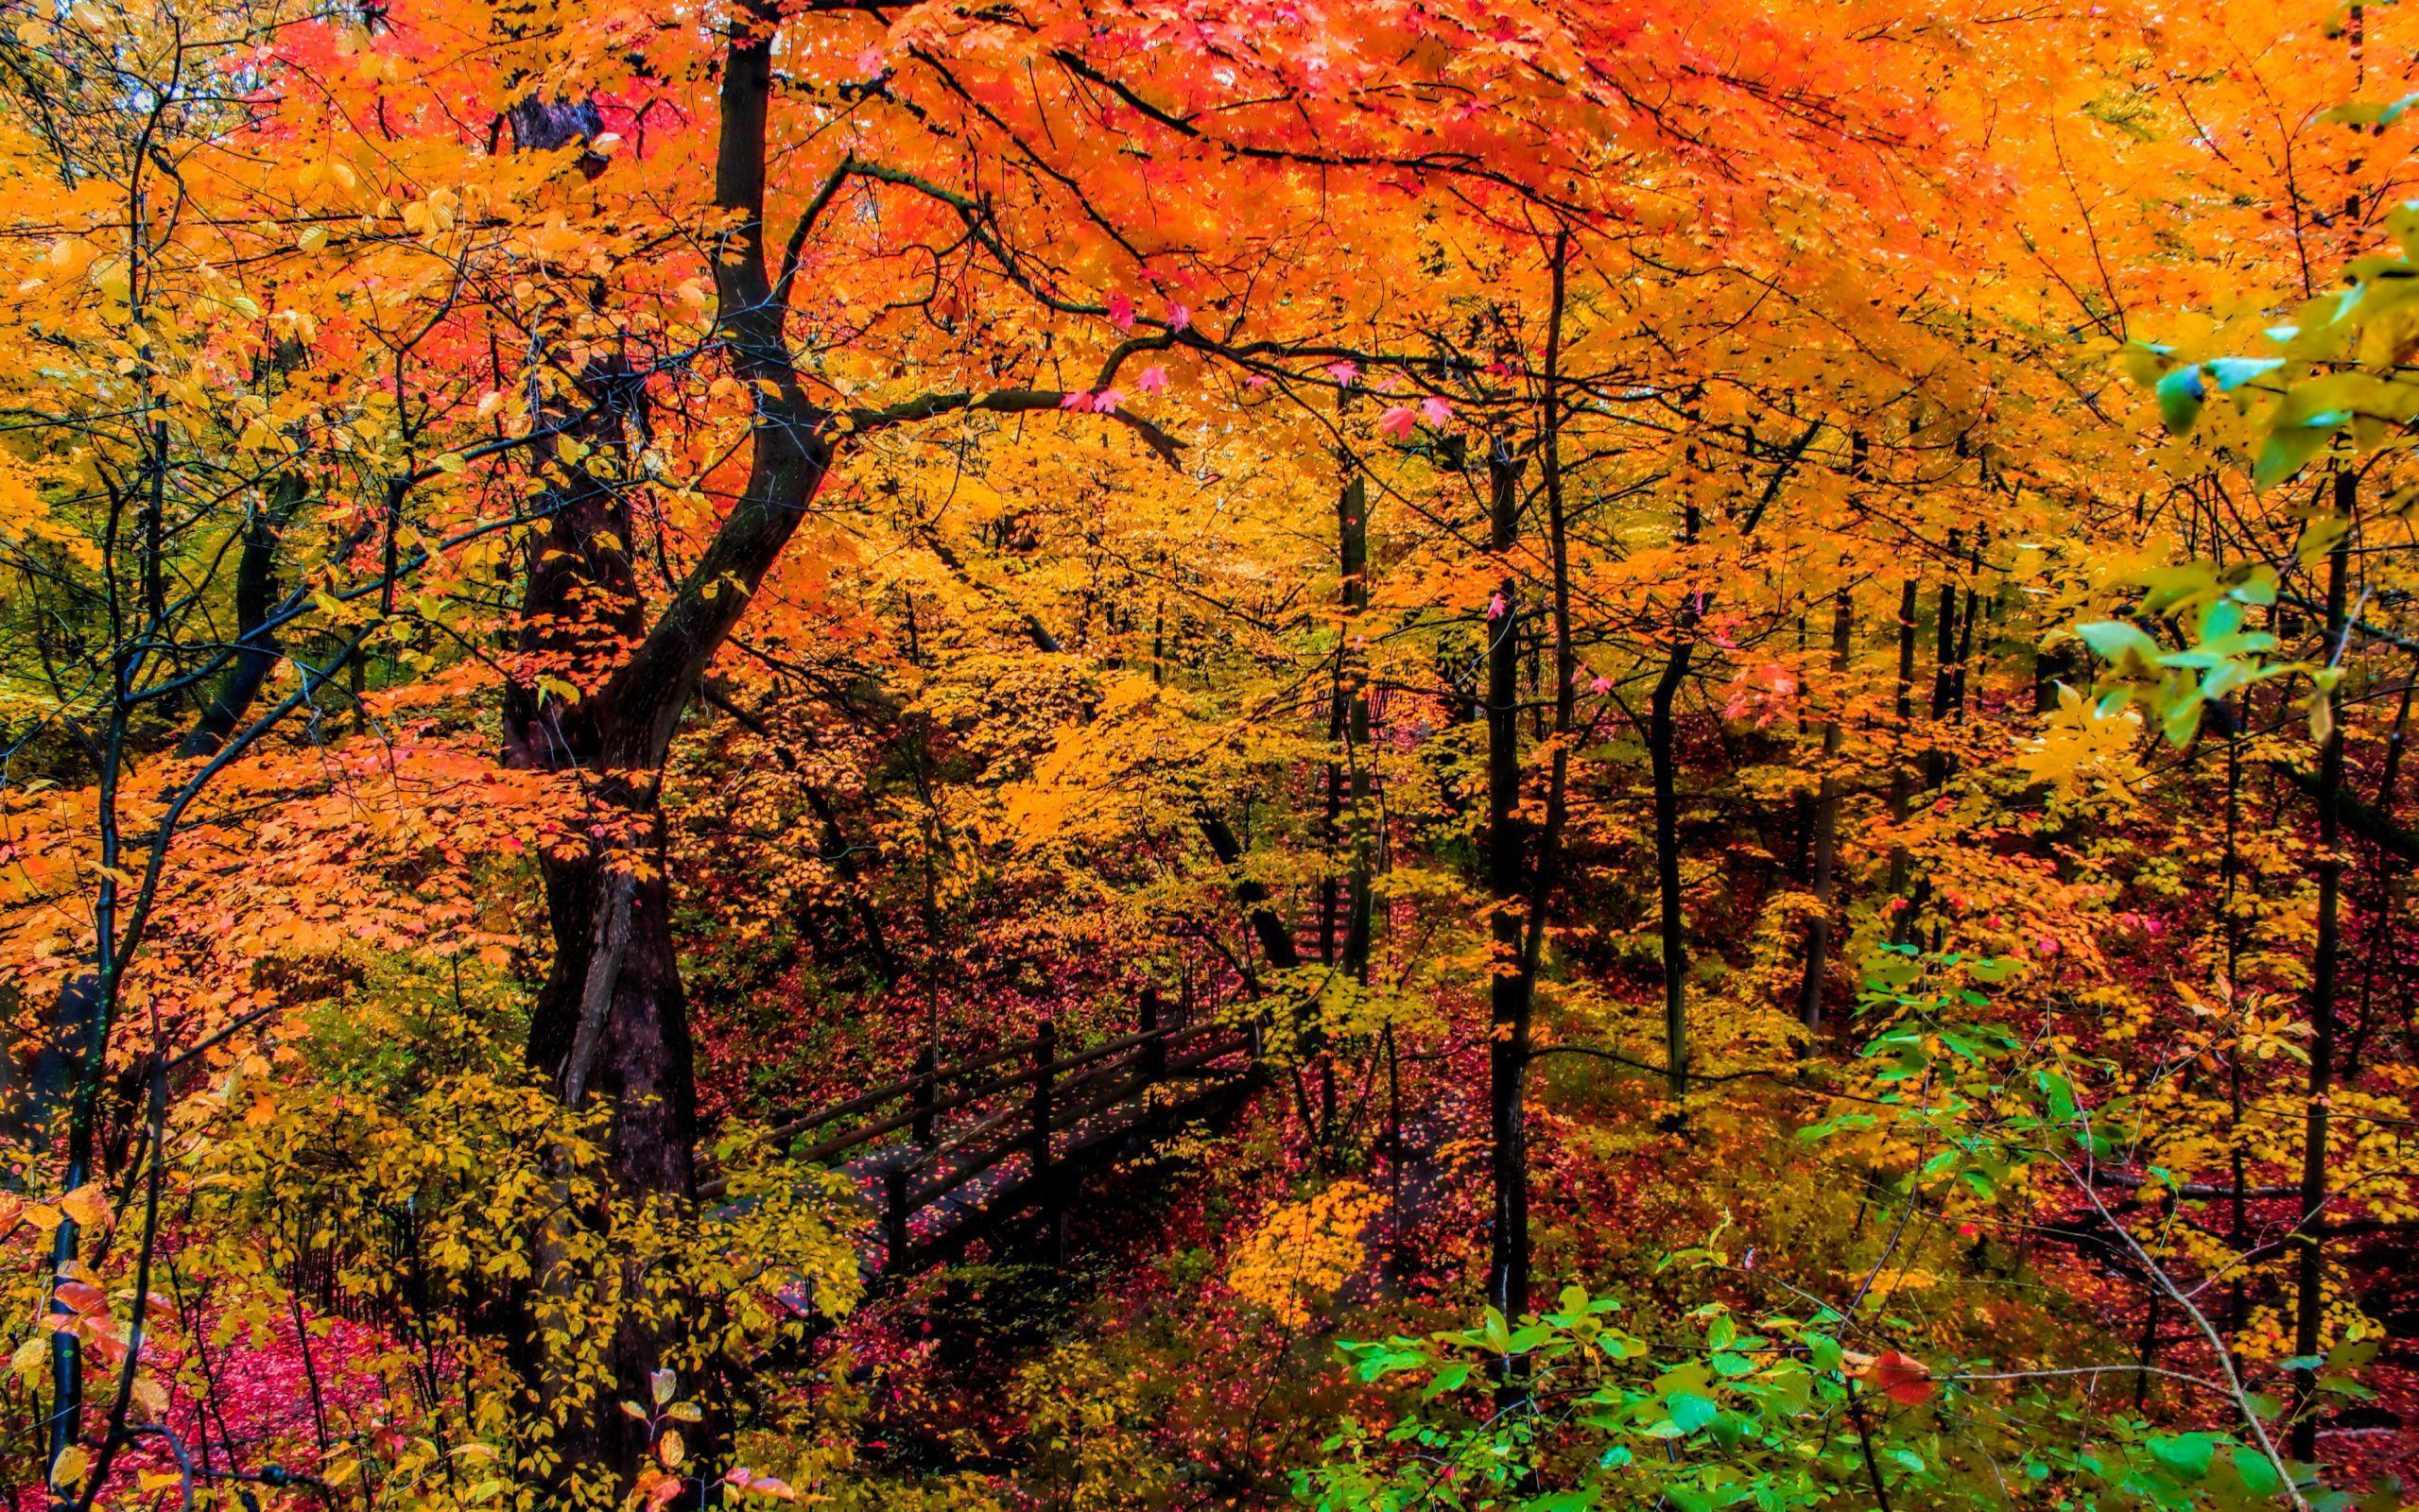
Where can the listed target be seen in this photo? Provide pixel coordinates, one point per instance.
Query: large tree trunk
(611, 1022)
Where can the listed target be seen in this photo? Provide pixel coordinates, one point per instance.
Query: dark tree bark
(1351, 521)
(1506, 866)
(1826, 824)
(1901, 779)
(1276, 939)
(2309, 1278)
(1664, 764)
(1344, 900)
(611, 1020)
(255, 652)
(1515, 866)
(1945, 665)
(614, 974)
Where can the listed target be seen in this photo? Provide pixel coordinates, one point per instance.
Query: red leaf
(1902, 1378)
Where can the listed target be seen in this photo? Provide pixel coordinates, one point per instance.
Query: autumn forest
(1192, 755)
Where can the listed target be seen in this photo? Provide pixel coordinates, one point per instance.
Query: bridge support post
(1046, 1054)
(894, 1217)
(927, 1091)
(1155, 1050)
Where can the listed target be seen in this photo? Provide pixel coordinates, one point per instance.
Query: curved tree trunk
(255, 650)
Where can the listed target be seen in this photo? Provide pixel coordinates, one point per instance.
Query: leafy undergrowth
(1190, 1345)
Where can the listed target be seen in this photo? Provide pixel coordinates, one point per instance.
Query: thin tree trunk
(1826, 822)
(1901, 779)
(1664, 764)
(1508, 989)
(1343, 899)
(1936, 755)
(2310, 1272)
(2384, 891)
(1944, 664)
(1353, 536)
(1277, 940)
(2231, 877)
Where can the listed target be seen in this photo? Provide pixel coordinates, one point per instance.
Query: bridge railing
(1021, 1110)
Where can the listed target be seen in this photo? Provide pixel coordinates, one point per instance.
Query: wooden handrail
(800, 1124)
(1065, 1119)
(972, 1132)
(1109, 1065)
(998, 1083)
(959, 1176)
(795, 1124)
(1148, 1048)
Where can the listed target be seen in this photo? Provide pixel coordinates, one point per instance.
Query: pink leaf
(1495, 607)
(1399, 423)
(1435, 410)
(1179, 317)
(1106, 402)
(1154, 381)
(1121, 312)
(872, 65)
(1081, 399)
(1344, 372)
(1601, 684)
(747, 1480)
(1256, 381)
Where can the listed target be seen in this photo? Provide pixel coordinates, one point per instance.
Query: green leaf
(2233, 372)
(2185, 1455)
(2256, 1473)
(2180, 394)
(1692, 1410)
(2320, 534)
(2402, 221)
(2115, 640)
(2181, 723)
(2289, 448)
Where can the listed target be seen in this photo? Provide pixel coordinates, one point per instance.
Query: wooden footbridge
(955, 1152)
